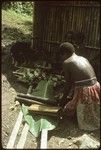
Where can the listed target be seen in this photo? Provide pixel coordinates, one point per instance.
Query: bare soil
(62, 137)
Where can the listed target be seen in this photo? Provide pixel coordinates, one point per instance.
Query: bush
(19, 7)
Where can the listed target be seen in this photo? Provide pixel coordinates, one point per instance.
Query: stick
(15, 131)
(23, 137)
(27, 101)
(18, 73)
(39, 99)
(44, 135)
(30, 90)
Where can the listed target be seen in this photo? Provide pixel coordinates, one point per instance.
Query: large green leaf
(44, 89)
(39, 122)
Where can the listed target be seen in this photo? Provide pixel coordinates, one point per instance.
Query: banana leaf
(45, 89)
(39, 122)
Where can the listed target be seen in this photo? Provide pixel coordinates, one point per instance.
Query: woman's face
(64, 56)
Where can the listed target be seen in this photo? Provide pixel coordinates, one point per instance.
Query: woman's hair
(67, 47)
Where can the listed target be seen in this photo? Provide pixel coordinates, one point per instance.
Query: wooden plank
(44, 135)
(44, 132)
(15, 131)
(24, 133)
(23, 137)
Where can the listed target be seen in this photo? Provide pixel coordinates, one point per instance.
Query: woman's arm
(68, 85)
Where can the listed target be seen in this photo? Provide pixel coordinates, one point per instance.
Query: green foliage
(39, 122)
(6, 5)
(16, 26)
(45, 89)
(19, 7)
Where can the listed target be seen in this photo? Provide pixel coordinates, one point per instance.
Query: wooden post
(23, 137)
(44, 135)
(15, 131)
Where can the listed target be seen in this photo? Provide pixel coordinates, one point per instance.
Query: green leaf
(39, 122)
(45, 89)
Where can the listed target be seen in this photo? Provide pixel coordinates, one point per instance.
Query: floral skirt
(86, 104)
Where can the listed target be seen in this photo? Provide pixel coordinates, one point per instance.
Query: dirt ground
(62, 137)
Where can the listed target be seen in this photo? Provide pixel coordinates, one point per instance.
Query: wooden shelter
(53, 20)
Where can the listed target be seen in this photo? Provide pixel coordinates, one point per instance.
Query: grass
(16, 26)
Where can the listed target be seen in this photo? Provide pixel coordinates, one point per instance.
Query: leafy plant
(19, 7)
(39, 122)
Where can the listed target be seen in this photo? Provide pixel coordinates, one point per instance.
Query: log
(39, 99)
(27, 101)
(45, 110)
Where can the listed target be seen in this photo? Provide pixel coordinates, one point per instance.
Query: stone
(86, 141)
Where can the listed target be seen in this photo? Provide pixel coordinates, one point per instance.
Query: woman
(82, 87)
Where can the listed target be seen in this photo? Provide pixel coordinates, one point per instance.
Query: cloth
(86, 105)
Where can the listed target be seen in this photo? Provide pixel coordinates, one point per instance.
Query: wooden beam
(23, 137)
(44, 135)
(15, 131)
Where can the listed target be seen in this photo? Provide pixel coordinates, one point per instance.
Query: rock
(86, 141)
(4, 79)
(73, 146)
(7, 133)
(61, 141)
(12, 108)
(17, 103)
(69, 137)
(12, 90)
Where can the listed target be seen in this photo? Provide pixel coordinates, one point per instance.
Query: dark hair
(67, 47)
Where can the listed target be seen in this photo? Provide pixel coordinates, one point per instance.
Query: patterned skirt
(86, 105)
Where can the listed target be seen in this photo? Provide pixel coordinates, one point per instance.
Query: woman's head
(66, 49)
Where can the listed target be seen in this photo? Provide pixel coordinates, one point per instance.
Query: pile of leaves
(48, 87)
